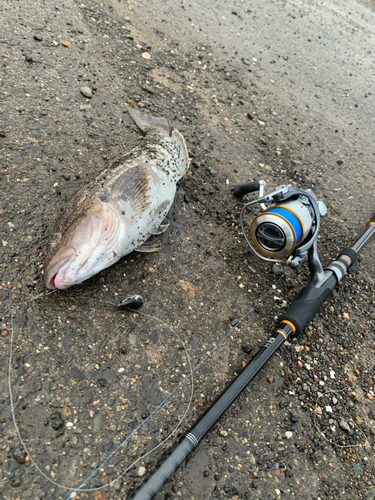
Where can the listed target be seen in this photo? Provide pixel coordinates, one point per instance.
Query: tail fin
(148, 122)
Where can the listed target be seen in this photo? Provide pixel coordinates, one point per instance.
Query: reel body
(288, 225)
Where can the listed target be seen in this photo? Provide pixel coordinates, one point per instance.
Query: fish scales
(119, 209)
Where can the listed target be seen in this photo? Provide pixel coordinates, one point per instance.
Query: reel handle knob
(241, 189)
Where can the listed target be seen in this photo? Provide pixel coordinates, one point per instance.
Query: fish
(120, 209)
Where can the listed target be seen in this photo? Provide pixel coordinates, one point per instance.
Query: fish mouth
(55, 278)
(57, 282)
(51, 282)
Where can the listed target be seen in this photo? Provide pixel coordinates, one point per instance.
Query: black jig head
(132, 302)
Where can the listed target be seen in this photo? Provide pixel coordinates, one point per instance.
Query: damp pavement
(284, 92)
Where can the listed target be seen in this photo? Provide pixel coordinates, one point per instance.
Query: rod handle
(372, 220)
(241, 189)
(307, 304)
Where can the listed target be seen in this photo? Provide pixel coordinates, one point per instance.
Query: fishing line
(180, 384)
(190, 375)
(113, 453)
(360, 445)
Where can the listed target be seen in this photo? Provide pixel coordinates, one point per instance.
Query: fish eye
(55, 238)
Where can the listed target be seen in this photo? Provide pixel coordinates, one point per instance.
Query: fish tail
(148, 122)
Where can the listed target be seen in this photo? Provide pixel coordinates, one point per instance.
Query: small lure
(132, 302)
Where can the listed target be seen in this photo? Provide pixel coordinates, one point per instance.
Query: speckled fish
(119, 209)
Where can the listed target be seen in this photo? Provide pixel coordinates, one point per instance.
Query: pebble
(113, 428)
(344, 425)
(84, 107)
(4, 333)
(77, 374)
(358, 471)
(246, 347)
(117, 485)
(86, 91)
(141, 471)
(98, 423)
(224, 433)
(132, 339)
(38, 37)
(277, 269)
(15, 482)
(19, 455)
(288, 434)
(57, 424)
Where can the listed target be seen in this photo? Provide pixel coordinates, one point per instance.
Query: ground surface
(283, 92)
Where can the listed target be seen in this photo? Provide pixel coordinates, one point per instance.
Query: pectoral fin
(160, 230)
(133, 186)
(149, 246)
(154, 245)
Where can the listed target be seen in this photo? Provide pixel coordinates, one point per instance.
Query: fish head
(72, 254)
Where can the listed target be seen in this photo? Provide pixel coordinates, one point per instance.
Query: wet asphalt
(282, 91)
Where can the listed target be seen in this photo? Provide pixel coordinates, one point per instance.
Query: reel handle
(241, 189)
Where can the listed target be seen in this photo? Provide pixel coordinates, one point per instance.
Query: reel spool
(288, 225)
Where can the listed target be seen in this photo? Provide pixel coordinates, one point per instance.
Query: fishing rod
(287, 228)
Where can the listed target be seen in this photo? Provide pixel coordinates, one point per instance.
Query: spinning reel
(288, 226)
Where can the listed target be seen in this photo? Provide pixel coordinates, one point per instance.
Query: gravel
(85, 375)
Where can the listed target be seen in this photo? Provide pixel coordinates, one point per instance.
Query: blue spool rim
(292, 218)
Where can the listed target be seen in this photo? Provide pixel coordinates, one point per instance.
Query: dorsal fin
(183, 157)
(148, 122)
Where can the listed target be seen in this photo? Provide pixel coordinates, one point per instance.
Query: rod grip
(241, 189)
(372, 220)
(166, 470)
(307, 304)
